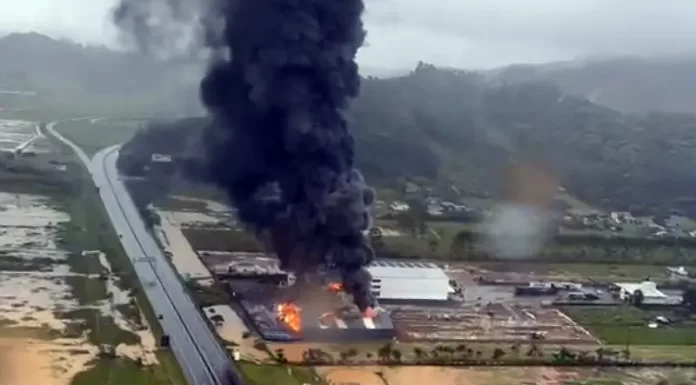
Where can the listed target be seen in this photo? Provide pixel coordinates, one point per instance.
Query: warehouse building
(651, 294)
(397, 280)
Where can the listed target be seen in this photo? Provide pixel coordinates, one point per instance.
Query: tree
(280, 356)
(515, 349)
(433, 243)
(396, 355)
(689, 299)
(533, 351)
(418, 352)
(385, 352)
(352, 352)
(498, 353)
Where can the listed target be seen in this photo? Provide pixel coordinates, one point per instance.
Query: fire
(289, 314)
(335, 287)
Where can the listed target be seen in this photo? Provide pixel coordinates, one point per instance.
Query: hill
(454, 127)
(629, 84)
(77, 78)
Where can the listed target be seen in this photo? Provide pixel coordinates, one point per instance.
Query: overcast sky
(459, 33)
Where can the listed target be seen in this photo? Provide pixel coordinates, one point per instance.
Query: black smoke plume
(280, 81)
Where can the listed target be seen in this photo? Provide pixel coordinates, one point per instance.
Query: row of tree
(461, 353)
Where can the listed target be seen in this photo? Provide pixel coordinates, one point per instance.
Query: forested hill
(452, 126)
(629, 84)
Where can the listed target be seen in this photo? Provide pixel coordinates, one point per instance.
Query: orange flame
(289, 314)
(335, 287)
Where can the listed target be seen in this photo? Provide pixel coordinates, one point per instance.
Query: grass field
(624, 325)
(255, 374)
(436, 243)
(92, 137)
(599, 272)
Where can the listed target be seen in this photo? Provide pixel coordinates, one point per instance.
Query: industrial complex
(417, 301)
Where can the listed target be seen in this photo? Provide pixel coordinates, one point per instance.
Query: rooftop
(406, 270)
(648, 288)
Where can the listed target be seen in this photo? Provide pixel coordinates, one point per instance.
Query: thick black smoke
(278, 90)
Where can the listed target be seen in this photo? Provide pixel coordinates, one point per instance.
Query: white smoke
(516, 231)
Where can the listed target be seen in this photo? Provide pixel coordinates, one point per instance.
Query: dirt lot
(31, 362)
(491, 323)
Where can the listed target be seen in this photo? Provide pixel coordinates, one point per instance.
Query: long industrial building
(402, 280)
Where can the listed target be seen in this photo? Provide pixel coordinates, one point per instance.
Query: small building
(651, 294)
(404, 280)
(161, 158)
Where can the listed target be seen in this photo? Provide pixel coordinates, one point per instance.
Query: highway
(203, 360)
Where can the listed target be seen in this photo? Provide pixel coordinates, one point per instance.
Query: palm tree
(418, 352)
(515, 349)
(396, 354)
(385, 351)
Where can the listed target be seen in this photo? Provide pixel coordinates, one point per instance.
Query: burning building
(327, 312)
(280, 79)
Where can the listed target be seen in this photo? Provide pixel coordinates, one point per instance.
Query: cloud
(460, 33)
(82, 20)
(495, 32)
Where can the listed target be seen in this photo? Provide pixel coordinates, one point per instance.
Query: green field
(267, 374)
(92, 137)
(625, 325)
(599, 272)
(435, 243)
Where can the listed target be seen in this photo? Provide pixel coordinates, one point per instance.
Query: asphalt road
(203, 360)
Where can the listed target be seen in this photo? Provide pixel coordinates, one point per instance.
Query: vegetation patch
(626, 325)
(207, 295)
(121, 371)
(100, 329)
(92, 137)
(265, 374)
(14, 263)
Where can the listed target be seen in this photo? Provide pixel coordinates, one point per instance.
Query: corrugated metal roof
(406, 270)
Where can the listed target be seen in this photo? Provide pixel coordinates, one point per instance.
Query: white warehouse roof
(648, 288)
(651, 294)
(409, 281)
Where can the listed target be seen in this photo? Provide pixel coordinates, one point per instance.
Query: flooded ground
(38, 342)
(15, 132)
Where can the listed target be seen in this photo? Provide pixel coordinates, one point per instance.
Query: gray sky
(459, 33)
